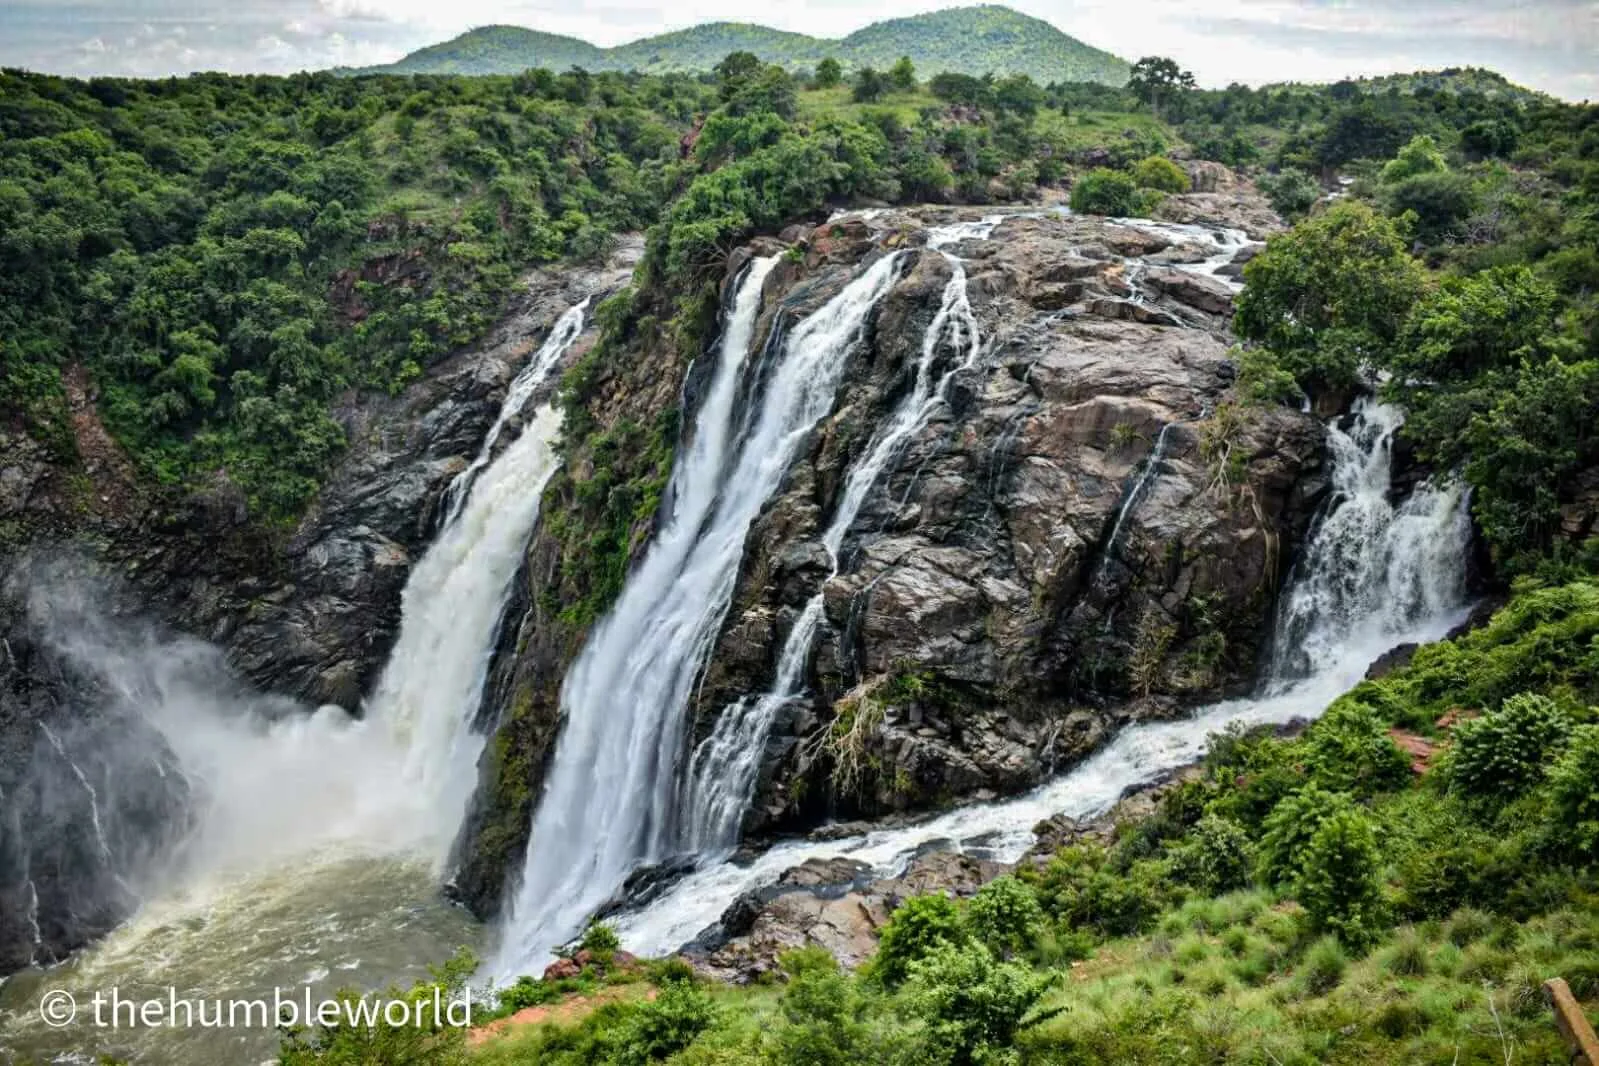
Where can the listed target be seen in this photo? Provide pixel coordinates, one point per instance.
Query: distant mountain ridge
(967, 40)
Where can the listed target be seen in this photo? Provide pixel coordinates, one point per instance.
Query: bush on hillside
(1289, 829)
(1112, 193)
(1158, 172)
(1503, 755)
(1573, 818)
(1292, 192)
(1005, 916)
(921, 924)
(973, 1005)
(1340, 881)
(1216, 857)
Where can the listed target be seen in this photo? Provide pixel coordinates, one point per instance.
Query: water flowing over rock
(120, 742)
(1409, 585)
(920, 596)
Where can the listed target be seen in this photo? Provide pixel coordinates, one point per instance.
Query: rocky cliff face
(308, 613)
(1088, 532)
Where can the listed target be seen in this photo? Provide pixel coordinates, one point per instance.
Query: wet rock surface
(1083, 534)
(308, 613)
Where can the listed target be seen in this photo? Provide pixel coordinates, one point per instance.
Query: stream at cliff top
(320, 840)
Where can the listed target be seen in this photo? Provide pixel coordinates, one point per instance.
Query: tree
(829, 74)
(961, 89)
(1106, 192)
(869, 86)
(736, 70)
(1328, 299)
(1156, 78)
(1420, 156)
(1501, 756)
(903, 75)
(1292, 192)
(921, 924)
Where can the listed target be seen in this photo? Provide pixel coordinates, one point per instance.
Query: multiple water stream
(321, 840)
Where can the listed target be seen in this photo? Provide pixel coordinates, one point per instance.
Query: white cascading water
(605, 806)
(562, 335)
(723, 773)
(1412, 588)
(317, 838)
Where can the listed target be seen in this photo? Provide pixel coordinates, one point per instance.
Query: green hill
(499, 49)
(968, 40)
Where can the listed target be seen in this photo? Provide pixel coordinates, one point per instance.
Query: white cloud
(1549, 44)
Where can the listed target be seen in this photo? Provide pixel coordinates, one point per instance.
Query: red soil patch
(569, 1010)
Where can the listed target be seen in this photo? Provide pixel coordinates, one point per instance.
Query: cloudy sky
(1548, 44)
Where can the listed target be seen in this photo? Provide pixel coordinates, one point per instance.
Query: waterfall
(725, 766)
(274, 782)
(1371, 570)
(1410, 563)
(1134, 498)
(605, 805)
(562, 335)
(94, 797)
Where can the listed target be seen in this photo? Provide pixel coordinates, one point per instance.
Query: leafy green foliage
(921, 924)
(1340, 880)
(1107, 192)
(1502, 755)
(1327, 298)
(1349, 750)
(1574, 796)
(1005, 917)
(971, 1004)
(1420, 157)
(1292, 192)
(1217, 857)
(428, 1038)
(1158, 172)
(1157, 80)
(225, 256)
(1291, 827)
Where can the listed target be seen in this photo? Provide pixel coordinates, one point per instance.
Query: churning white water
(723, 772)
(606, 806)
(317, 838)
(1411, 561)
(565, 331)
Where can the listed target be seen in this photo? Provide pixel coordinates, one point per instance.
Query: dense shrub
(1328, 298)
(1502, 755)
(824, 1012)
(1216, 857)
(1108, 192)
(1340, 880)
(1291, 191)
(921, 924)
(1158, 172)
(1289, 829)
(972, 1004)
(1349, 750)
(1574, 797)
(1005, 916)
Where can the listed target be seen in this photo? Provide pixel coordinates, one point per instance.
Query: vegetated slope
(501, 49)
(975, 40)
(968, 40)
(702, 47)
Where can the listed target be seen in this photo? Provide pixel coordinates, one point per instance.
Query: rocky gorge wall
(1087, 533)
(90, 793)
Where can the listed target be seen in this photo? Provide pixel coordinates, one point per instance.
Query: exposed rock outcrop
(1085, 533)
(309, 613)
